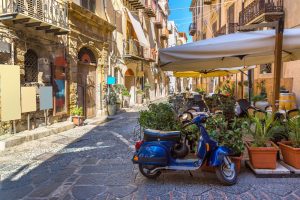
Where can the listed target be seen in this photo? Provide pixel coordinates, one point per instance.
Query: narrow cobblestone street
(93, 162)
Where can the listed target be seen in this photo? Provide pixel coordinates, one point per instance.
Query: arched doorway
(130, 83)
(87, 81)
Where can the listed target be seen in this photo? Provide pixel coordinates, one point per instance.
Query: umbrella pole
(242, 88)
(278, 62)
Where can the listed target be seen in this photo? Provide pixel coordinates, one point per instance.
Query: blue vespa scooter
(154, 154)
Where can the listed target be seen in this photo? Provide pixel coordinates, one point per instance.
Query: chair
(293, 113)
(251, 111)
(244, 105)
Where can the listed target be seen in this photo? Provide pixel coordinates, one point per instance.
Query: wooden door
(91, 92)
(87, 89)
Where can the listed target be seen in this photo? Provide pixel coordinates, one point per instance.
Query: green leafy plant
(192, 135)
(77, 111)
(263, 130)
(125, 93)
(260, 97)
(119, 88)
(160, 117)
(228, 107)
(229, 135)
(111, 98)
(140, 92)
(201, 90)
(294, 131)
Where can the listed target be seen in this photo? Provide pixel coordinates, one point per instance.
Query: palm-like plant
(294, 131)
(263, 130)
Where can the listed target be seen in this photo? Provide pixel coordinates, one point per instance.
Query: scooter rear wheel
(226, 175)
(146, 171)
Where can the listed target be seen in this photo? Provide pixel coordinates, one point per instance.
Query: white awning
(232, 50)
(138, 29)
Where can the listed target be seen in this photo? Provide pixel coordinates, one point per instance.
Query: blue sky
(182, 16)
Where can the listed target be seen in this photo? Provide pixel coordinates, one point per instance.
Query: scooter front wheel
(148, 171)
(226, 174)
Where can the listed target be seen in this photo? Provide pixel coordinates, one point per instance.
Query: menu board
(28, 99)
(46, 100)
(10, 99)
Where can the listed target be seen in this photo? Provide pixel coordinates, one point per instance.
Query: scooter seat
(155, 135)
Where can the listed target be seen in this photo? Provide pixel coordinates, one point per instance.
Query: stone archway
(86, 78)
(130, 83)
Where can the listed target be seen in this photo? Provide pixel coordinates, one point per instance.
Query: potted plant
(262, 152)
(229, 135)
(260, 101)
(200, 91)
(126, 98)
(77, 115)
(139, 96)
(290, 150)
(118, 89)
(111, 103)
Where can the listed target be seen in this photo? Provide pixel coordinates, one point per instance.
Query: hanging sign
(111, 80)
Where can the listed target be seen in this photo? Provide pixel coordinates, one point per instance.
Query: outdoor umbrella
(232, 50)
(211, 73)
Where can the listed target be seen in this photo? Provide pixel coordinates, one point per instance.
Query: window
(214, 28)
(89, 4)
(266, 68)
(31, 66)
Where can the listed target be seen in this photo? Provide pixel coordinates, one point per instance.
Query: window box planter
(291, 155)
(263, 157)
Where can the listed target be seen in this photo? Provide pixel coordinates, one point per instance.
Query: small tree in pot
(139, 96)
(291, 149)
(126, 98)
(77, 115)
(111, 103)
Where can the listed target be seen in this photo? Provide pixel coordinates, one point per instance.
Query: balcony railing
(150, 7)
(159, 20)
(221, 31)
(34, 13)
(149, 54)
(137, 4)
(133, 49)
(262, 10)
(192, 29)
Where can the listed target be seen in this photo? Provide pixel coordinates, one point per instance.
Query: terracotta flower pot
(237, 160)
(291, 155)
(78, 120)
(263, 157)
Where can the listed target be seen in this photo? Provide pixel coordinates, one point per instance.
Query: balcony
(221, 31)
(158, 20)
(164, 34)
(208, 2)
(261, 10)
(150, 8)
(192, 29)
(149, 54)
(42, 15)
(133, 50)
(137, 4)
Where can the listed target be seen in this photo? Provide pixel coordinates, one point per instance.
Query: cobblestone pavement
(93, 162)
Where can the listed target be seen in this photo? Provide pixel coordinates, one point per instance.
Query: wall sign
(10, 92)
(28, 99)
(46, 101)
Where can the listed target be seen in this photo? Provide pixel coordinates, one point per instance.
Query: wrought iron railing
(132, 47)
(159, 18)
(48, 11)
(259, 7)
(192, 29)
(165, 33)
